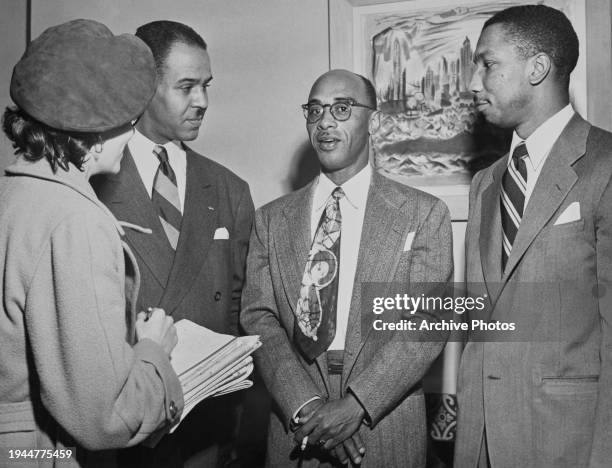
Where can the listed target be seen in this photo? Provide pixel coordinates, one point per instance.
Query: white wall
(12, 45)
(265, 55)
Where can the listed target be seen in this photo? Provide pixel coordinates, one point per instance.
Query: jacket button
(218, 296)
(173, 410)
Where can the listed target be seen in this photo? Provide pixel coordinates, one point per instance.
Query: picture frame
(593, 72)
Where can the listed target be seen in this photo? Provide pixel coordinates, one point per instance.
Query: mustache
(197, 114)
(326, 136)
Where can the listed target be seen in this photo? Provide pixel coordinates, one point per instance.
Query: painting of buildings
(420, 57)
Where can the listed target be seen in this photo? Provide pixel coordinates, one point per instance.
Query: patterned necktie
(315, 324)
(514, 186)
(166, 198)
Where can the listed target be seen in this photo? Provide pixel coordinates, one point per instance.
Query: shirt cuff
(295, 418)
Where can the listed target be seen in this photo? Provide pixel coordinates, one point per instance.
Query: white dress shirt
(539, 145)
(352, 208)
(147, 163)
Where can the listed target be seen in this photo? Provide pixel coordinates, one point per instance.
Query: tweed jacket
(383, 372)
(68, 376)
(544, 394)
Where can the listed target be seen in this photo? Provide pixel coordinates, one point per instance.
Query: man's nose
(476, 81)
(200, 97)
(327, 119)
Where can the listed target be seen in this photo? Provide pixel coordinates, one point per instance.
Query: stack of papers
(210, 364)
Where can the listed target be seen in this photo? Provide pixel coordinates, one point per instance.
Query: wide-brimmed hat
(79, 77)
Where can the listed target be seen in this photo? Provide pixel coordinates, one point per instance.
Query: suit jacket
(68, 375)
(384, 374)
(203, 280)
(546, 398)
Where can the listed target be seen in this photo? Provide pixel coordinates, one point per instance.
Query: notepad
(210, 364)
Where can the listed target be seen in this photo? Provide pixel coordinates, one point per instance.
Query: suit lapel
(294, 242)
(556, 179)
(383, 233)
(127, 198)
(197, 231)
(491, 232)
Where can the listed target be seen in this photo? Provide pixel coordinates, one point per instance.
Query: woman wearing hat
(76, 369)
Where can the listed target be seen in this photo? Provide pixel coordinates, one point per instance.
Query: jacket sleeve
(402, 362)
(102, 391)
(242, 231)
(283, 373)
(601, 451)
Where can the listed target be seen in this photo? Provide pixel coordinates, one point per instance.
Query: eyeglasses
(340, 110)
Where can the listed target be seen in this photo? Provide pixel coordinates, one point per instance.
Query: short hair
(35, 140)
(160, 36)
(369, 90)
(539, 28)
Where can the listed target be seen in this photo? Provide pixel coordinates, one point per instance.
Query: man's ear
(540, 66)
(375, 120)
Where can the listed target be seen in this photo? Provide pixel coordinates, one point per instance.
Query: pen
(304, 443)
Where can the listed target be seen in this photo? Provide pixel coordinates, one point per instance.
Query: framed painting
(419, 55)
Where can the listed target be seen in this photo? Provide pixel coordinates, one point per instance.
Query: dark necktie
(315, 324)
(514, 186)
(165, 197)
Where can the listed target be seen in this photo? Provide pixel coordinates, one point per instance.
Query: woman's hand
(157, 326)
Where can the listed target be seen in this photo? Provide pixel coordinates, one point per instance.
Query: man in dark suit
(197, 217)
(346, 389)
(539, 244)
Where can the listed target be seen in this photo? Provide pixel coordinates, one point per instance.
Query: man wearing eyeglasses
(342, 392)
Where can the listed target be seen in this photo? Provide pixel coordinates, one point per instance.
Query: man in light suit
(346, 392)
(199, 215)
(539, 244)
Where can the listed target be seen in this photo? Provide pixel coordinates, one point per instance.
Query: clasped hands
(333, 426)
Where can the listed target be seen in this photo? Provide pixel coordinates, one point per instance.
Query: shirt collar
(140, 144)
(143, 145)
(540, 142)
(355, 189)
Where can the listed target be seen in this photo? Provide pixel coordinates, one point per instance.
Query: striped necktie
(315, 324)
(165, 197)
(514, 186)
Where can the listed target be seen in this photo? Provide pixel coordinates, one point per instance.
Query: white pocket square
(221, 233)
(571, 213)
(408, 243)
